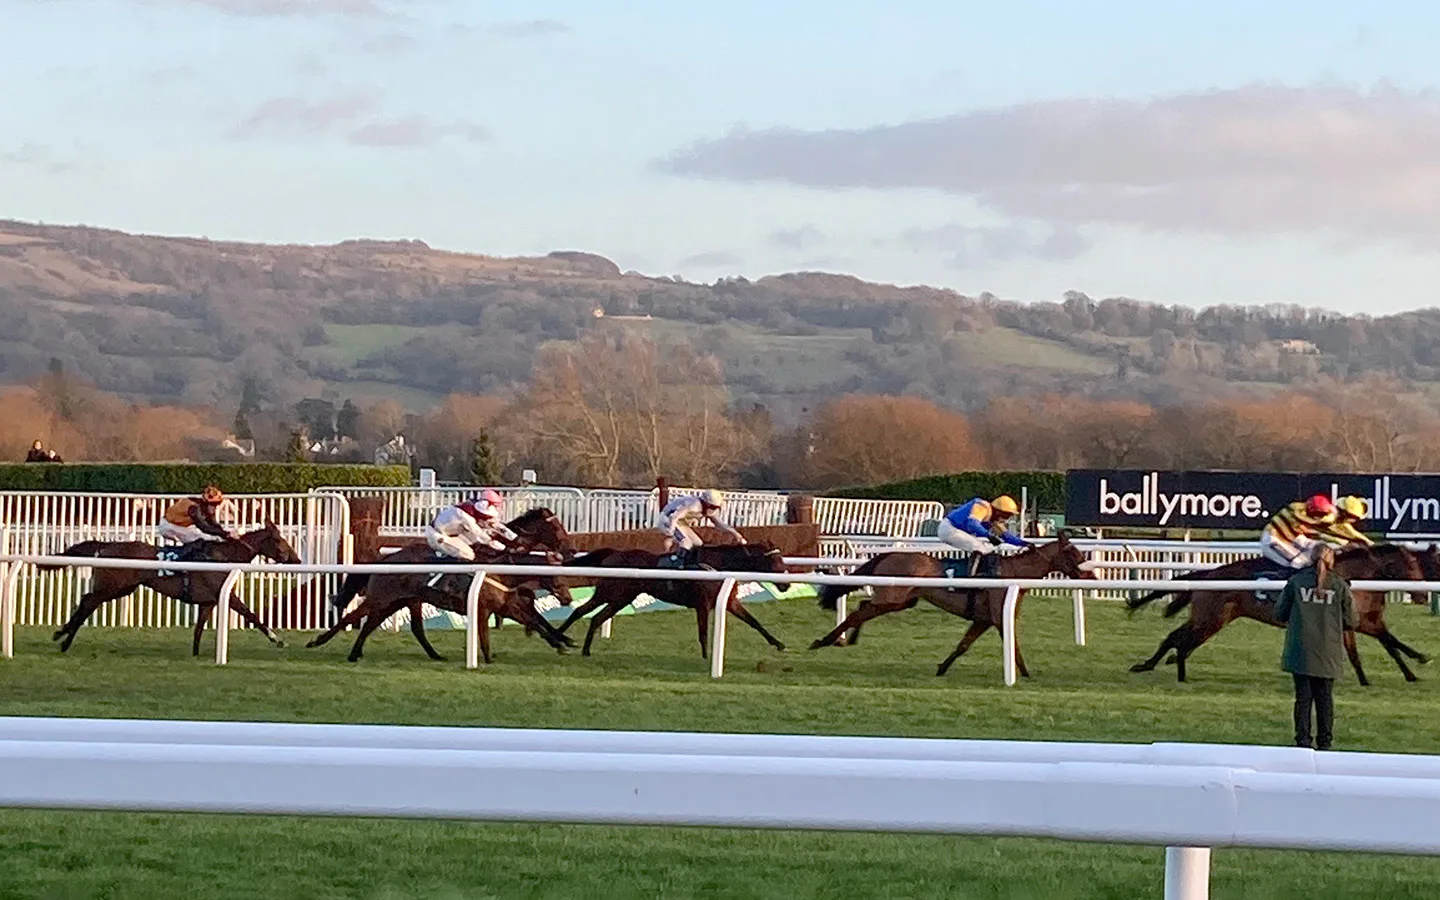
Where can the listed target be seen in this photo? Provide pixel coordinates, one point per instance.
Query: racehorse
(614, 594)
(1211, 611)
(984, 607)
(199, 588)
(538, 528)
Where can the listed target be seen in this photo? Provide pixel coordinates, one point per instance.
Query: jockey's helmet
(1354, 507)
(712, 498)
(490, 496)
(212, 494)
(1005, 504)
(1318, 506)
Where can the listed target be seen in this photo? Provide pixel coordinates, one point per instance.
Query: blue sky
(1193, 153)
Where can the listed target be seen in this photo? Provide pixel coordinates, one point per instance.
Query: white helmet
(712, 498)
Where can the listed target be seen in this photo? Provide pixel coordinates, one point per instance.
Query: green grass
(1006, 346)
(650, 676)
(348, 344)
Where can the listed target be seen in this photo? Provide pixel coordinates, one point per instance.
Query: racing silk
(452, 521)
(487, 516)
(192, 512)
(1293, 522)
(688, 511)
(974, 518)
(1340, 534)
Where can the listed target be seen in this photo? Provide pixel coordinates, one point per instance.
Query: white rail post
(222, 617)
(472, 621)
(1187, 873)
(1078, 598)
(7, 610)
(605, 628)
(717, 635)
(1012, 600)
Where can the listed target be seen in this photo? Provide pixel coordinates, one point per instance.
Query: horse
(1211, 611)
(614, 594)
(387, 594)
(984, 607)
(536, 529)
(199, 588)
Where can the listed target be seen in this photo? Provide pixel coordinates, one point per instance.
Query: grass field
(649, 676)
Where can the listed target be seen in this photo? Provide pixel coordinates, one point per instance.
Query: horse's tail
(830, 594)
(1135, 603)
(350, 588)
(1179, 602)
(82, 549)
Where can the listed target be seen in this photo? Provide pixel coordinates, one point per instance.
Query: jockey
(1297, 532)
(456, 529)
(194, 519)
(678, 516)
(1343, 533)
(978, 528)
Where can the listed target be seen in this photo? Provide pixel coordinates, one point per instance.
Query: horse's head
(269, 543)
(540, 527)
(1064, 558)
(1382, 562)
(1430, 562)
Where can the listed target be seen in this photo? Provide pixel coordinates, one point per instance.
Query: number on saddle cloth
(169, 554)
(1277, 575)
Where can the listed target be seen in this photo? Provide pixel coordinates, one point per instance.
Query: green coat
(1315, 625)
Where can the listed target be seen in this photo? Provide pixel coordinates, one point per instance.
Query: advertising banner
(1397, 504)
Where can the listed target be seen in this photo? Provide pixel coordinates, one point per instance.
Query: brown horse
(614, 594)
(1211, 611)
(984, 608)
(387, 594)
(199, 588)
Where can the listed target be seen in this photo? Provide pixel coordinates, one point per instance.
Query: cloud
(414, 131)
(711, 259)
(533, 28)
(37, 156)
(294, 115)
(802, 238)
(272, 8)
(971, 245)
(1255, 159)
(390, 43)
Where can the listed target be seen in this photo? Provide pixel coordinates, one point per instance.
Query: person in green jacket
(1317, 609)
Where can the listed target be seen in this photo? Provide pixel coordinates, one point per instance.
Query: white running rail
(1185, 797)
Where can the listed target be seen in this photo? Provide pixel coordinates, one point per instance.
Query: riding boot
(989, 566)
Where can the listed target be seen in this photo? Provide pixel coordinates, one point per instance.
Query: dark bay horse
(387, 594)
(199, 588)
(614, 594)
(984, 608)
(1211, 611)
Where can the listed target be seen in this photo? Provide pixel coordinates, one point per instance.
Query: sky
(1191, 153)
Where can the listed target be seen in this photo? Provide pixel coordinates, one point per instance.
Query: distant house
(1295, 345)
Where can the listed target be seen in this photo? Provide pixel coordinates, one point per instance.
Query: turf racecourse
(650, 676)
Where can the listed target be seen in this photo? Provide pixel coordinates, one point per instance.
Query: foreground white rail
(1187, 797)
(14, 565)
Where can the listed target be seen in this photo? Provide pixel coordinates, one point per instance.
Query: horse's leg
(248, 615)
(1409, 651)
(417, 628)
(372, 622)
(202, 614)
(1172, 640)
(1387, 640)
(609, 612)
(351, 618)
(975, 630)
(734, 607)
(482, 627)
(1190, 642)
(702, 627)
(864, 613)
(1353, 652)
(581, 612)
(853, 637)
(89, 602)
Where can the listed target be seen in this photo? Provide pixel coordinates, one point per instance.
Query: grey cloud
(297, 116)
(804, 237)
(271, 8)
(532, 28)
(390, 43)
(970, 245)
(37, 156)
(1255, 159)
(711, 259)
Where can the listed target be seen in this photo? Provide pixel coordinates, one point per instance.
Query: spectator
(38, 453)
(1317, 610)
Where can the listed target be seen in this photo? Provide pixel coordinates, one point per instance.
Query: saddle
(973, 566)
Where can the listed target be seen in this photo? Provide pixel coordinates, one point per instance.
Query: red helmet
(1319, 505)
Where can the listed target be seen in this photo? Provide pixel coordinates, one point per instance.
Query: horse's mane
(1379, 551)
(539, 513)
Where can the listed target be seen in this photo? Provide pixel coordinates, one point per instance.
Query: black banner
(1395, 504)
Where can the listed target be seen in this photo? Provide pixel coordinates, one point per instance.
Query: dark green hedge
(178, 478)
(1046, 488)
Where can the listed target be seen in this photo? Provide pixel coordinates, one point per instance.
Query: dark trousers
(1319, 692)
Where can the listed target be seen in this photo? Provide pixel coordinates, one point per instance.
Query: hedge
(1047, 489)
(185, 478)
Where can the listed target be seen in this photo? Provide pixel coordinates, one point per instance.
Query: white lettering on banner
(1150, 501)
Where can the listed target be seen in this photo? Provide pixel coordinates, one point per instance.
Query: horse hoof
(779, 648)
(57, 635)
(279, 644)
(816, 645)
(1141, 667)
(1424, 660)
(939, 671)
(352, 659)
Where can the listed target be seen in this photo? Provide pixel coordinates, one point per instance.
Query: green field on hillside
(650, 676)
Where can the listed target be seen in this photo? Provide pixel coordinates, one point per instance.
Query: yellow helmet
(1004, 504)
(1352, 506)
